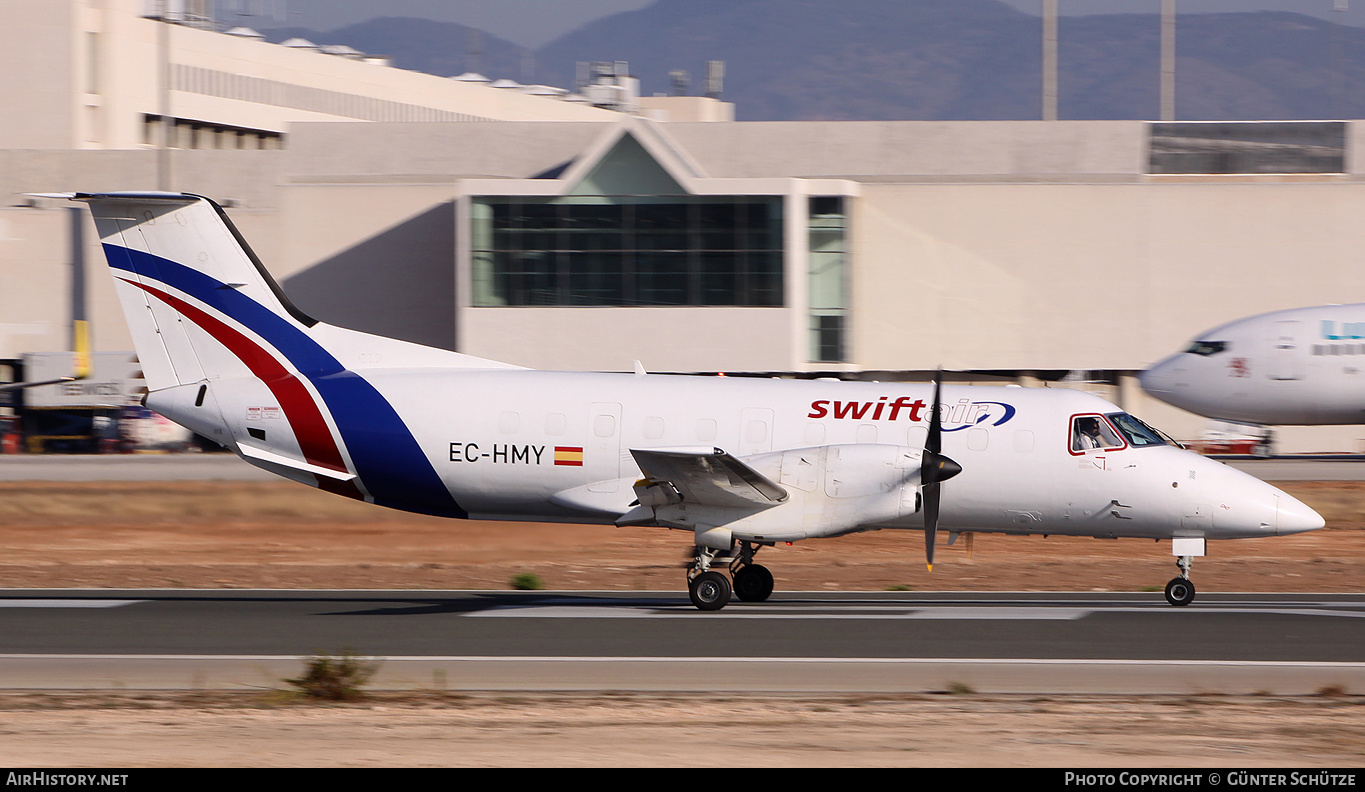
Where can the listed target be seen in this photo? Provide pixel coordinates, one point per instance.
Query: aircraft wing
(709, 477)
(81, 366)
(10, 386)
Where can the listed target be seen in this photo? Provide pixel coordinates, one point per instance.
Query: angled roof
(634, 156)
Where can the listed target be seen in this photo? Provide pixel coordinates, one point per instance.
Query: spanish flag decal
(569, 455)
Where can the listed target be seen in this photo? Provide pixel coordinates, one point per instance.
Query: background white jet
(1304, 366)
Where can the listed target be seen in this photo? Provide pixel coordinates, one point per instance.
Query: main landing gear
(753, 583)
(1180, 591)
(710, 590)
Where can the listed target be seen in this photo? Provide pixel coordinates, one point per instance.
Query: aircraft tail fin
(170, 252)
(226, 354)
(188, 282)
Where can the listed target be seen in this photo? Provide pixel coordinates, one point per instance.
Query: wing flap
(709, 477)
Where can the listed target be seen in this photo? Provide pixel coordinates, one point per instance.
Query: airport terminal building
(590, 238)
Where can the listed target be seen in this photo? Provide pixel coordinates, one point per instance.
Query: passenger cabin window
(1091, 432)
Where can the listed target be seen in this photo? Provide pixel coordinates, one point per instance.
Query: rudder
(225, 354)
(158, 240)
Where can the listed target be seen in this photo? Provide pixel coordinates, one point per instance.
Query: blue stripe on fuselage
(386, 456)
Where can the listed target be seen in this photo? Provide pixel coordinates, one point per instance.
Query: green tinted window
(627, 250)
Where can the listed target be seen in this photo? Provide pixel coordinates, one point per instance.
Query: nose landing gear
(1180, 591)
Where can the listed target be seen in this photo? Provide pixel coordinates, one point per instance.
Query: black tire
(1179, 592)
(753, 583)
(710, 591)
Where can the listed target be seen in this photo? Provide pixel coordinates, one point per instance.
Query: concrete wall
(413, 153)
(375, 258)
(38, 59)
(683, 339)
(686, 108)
(1077, 276)
(877, 151)
(962, 256)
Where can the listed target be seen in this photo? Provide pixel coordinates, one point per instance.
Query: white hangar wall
(1088, 276)
(999, 246)
(36, 234)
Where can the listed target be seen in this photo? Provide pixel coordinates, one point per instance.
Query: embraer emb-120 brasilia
(741, 463)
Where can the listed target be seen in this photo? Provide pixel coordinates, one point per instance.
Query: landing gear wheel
(1179, 592)
(753, 583)
(709, 591)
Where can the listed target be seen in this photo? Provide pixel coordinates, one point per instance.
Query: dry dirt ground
(217, 534)
(211, 730)
(281, 535)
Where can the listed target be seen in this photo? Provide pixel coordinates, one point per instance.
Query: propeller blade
(935, 468)
(931, 495)
(934, 442)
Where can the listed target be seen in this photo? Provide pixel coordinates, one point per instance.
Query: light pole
(163, 41)
(1167, 60)
(1049, 60)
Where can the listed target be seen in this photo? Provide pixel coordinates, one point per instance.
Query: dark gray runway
(880, 642)
(890, 625)
(658, 641)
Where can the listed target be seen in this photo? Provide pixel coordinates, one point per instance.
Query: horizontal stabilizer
(271, 458)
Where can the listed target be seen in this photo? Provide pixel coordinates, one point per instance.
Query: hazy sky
(529, 23)
(532, 23)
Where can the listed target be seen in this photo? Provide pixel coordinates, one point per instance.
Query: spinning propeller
(935, 468)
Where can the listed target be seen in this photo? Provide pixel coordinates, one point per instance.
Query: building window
(627, 250)
(194, 134)
(1247, 147)
(827, 341)
(828, 287)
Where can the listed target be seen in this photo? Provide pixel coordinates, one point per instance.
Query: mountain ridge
(798, 60)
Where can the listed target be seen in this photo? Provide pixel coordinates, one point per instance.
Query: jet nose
(1293, 516)
(1159, 379)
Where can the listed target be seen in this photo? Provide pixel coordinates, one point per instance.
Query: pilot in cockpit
(1088, 433)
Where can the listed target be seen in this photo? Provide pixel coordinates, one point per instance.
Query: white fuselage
(518, 444)
(427, 430)
(1300, 367)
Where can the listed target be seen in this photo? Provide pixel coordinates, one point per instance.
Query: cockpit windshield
(1206, 348)
(1138, 433)
(1092, 433)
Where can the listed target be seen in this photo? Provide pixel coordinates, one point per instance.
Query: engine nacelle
(832, 490)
